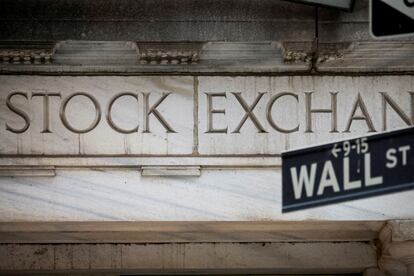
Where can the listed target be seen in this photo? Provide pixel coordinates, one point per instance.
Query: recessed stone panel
(266, 115)
(136, 124)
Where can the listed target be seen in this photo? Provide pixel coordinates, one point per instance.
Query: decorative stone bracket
(23, 53)
(297, 52)
(169, 53)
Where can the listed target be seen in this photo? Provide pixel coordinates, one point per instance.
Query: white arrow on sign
(404, 6)
(335, 150)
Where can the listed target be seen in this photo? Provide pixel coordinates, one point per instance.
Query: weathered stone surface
(102, 232)
(278, 258)
(402, 230)
(121, 57)
(188, 20)
(17, 53)
(373, 57)
(141, 10)
(334, 25)
(217, 195)
(397, 248)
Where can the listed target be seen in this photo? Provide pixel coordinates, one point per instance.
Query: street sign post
(351, 169)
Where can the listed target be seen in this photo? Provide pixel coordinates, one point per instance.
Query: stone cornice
(161, 57)
(277, 57)
(378, 56)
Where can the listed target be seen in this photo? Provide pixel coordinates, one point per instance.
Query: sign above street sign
(346, 5)
(351, 169)
(391, 18)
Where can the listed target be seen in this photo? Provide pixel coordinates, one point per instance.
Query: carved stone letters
(269, 114)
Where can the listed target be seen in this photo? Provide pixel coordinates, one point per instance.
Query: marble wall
(201, 115)
(232, 128)
(217, 195)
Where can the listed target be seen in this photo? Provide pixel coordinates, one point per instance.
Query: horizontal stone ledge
(27, 171)
(170, 171)
(360, 57)
(349, 257)
(199, 231)
(137, 162)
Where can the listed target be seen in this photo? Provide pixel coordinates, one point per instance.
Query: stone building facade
(145, 137)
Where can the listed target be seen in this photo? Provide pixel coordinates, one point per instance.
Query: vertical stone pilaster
(397, 252)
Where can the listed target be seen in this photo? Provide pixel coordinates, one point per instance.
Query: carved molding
(156, 57)
(208, 57)
(17, 170)
(297, 52)
(171, 170)
(328, 52)
(373, 56)
(169, 53)
(22, 53)
(135, 162)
